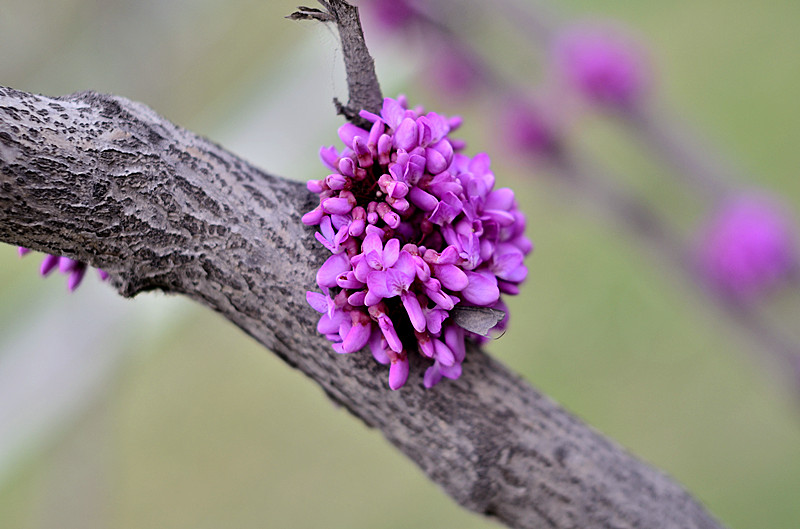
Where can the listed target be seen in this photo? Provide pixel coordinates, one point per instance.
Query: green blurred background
(157, 413)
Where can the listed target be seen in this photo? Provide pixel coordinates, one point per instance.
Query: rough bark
(107, 181)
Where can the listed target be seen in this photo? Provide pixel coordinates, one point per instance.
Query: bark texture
(107, 181)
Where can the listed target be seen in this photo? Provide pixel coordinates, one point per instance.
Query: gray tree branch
(107, 181)
(362, 82)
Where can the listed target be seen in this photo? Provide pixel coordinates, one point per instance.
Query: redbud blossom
(416, 229)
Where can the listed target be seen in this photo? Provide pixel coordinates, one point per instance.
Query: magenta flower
(75, 270)
(601, 63)
(748, 246)
(415, 229)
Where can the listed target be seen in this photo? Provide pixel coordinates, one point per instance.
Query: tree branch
(107, 181)
(362, 81)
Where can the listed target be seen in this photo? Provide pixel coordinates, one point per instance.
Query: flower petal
(414, 310)
(502, 199)
(434, 320)
(357, 337)
(423, 200)
(436, 162)
(372, 242)
(313, 217)
(329, 157)
(330, 325)
(349, 132)
(337, 205)
(443, 353)
(348, 280)
(405, 136)
(318, 302)
(454, 338)
(451, 277)
(378, 347)
(76, 276)
(434, 291)
(335, 265)
(392, 112)
(482, 289)
(452, 372)
(358, 298)
(398, 373)
(378, 285)
(391, 252)
(49, 263)
(66, 265)
(432, 376)
(387, 327)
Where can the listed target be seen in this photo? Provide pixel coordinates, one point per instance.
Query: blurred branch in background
(747, 248)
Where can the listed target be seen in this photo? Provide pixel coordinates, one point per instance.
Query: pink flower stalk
(747, 247)
(416, 230)
(601, 63)
(75, 270)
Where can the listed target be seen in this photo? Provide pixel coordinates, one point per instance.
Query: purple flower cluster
(74, 269)
(748, 246)
(417, 232)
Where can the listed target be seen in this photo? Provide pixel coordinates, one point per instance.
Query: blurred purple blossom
(602, 63)
(747, 246)
(415, 229)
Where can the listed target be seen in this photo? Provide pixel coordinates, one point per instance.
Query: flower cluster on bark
(417, 231)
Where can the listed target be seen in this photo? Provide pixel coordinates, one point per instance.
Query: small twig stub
(311, 13)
